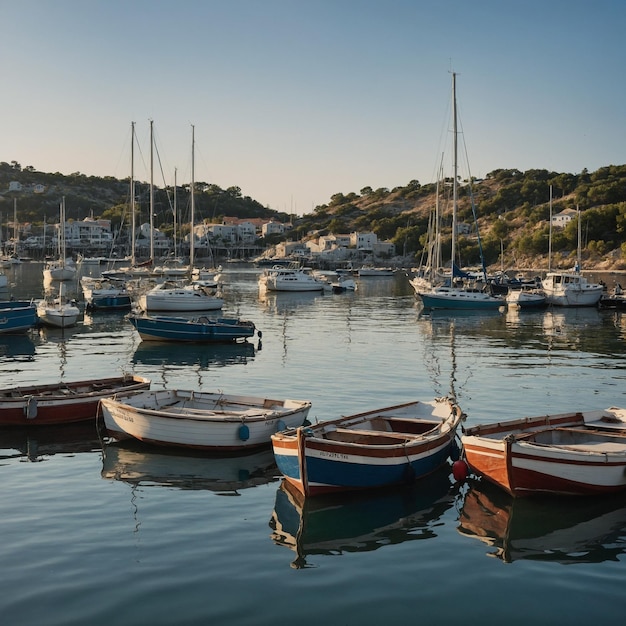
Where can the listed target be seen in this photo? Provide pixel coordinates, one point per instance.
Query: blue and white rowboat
(379, 448)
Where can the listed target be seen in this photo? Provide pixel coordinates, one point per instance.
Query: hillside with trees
(513, 217)
(512, 209)
(109, 198)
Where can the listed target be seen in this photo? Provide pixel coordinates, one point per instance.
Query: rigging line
(443, 135)
(472, 202)
(143, 157)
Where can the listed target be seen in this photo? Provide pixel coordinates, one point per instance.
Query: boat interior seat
(272, 404)
(411, 426)
(367, 437)
(579, 438)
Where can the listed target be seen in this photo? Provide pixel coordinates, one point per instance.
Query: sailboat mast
(455, 170)
(193, 202)
(15, 228)
(151, 193)
(578, 256)
(175, 213)
(62, 232)
(550, 235)
(132, 194)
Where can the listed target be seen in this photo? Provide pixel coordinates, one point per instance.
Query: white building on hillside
(88, 233)
(562, 219)
(272, 228)
(363, 241)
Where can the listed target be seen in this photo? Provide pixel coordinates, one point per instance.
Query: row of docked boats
(20, 316)
(294, 278)
(576, 453)
(562, 289)
(158, 310)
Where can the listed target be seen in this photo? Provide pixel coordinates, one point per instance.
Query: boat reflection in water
(194, 354)
(106, 321)
(560, 529)
(289, 302)
(359, 522)
(17, 348)
(137, 465)
(35, 444)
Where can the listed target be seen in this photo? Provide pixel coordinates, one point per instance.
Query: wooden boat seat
(580, 439)
(371, 437)
(191, 411)
(402, 426)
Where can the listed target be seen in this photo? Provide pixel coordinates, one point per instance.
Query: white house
(246, 232)
(88, 233)
(328, 242)
(160, 241)
(292, 249)
(272, 228)
(224, 232)
(363, 241)
(562, 219)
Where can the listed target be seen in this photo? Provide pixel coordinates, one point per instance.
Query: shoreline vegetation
(512, 210)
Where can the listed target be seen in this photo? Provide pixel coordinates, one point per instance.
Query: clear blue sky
(294, 101)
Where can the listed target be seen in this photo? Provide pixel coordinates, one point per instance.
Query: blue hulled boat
(391, 446)
(197, 329)
(17, 316)
(105, 294)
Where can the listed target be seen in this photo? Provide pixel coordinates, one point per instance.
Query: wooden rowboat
(379, 448)
(201, 420)
(64, 402)
(581, 453)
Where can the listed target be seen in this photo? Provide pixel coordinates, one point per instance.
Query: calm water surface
(100, 533)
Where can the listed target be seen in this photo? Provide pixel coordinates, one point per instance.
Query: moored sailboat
(61, 268)
(59, 311)
(453, 293)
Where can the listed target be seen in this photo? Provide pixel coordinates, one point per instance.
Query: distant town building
(562, 219)
(88, 233)
(292, 249)
(222, 233)
(363, 241)
(330, 242)
(272, 228)
(15, 185)
(160, 241)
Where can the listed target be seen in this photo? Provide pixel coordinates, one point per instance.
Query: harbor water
(96, 532)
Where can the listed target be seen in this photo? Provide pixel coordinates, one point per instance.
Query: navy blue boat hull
(200, 329)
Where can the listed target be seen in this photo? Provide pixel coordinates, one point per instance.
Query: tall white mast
(550, 235)
(455, 169)
(151, 193)
(193, 202)
(62, 232)
(175, 214)
(132, 193)
(578, 256)
(15, 228)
